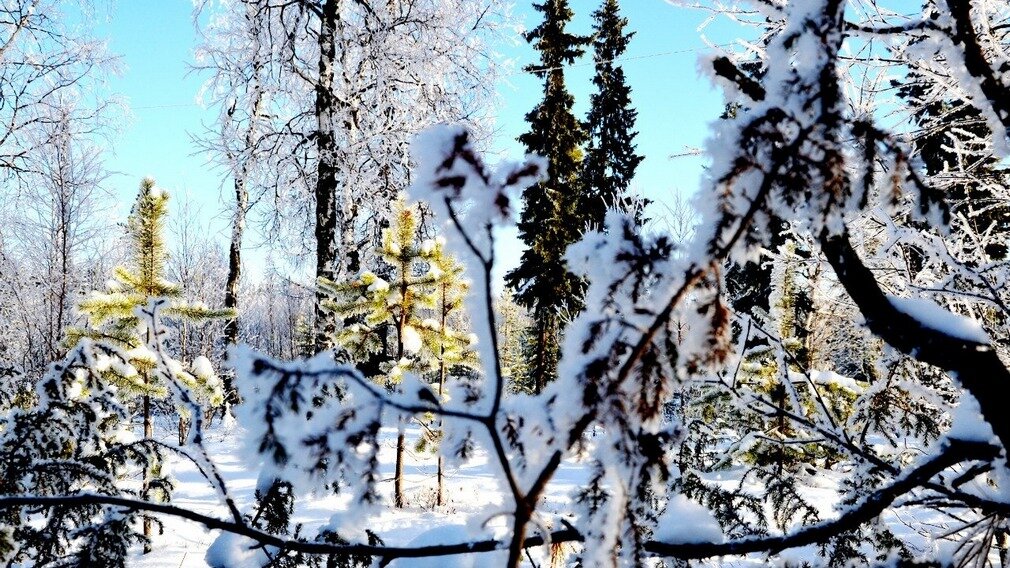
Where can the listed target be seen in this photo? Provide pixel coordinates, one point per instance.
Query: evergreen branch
(989, 81)
(976, 366)
(268, 539)
(956, 452)
(872, 506)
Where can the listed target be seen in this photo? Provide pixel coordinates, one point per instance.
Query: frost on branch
(73, 441)
(311, 423)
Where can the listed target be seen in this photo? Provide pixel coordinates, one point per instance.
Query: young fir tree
(112, 316)
(552, 217)
(393, 317)
(610, 161)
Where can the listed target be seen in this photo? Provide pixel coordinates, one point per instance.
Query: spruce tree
(393, 317)
(67, 442)
(112, 316)
(551, 218)
(952, 143)
(611, 160)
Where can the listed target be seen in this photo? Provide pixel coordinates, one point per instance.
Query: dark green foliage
(107, 544)
(952, 143)
(740, 514)
(351, 561)
(610, 161)
(274, 508)
(551, 218)
(65, 445)
(781, 492)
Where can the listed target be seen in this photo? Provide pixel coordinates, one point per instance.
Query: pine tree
(451, 349)
(393, 316)
(953, 144)
(611, 160)
(112, 315)
(551, 218)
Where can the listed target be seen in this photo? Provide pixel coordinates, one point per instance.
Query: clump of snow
(416, 390)
(374, 283)
(411, 339)
(427, 247)
(834, 379)
(75, 390)
(931, 315)
(234, 551)
(685, 521)
(142, 354)
(203, 368)
(967, 422)
(447, 534)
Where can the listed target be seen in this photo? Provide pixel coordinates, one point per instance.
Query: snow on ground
(473, 495)
(470, 490)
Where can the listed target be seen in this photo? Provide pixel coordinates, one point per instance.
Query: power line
(623, 59)
(180, 105)
(516, 73)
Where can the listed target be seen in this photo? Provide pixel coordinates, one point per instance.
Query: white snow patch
(931, 315)
(967, 422)
(448, 534)
(685, 521)
(203, 368)
(411, 339)
(834, 379)
(234, 551)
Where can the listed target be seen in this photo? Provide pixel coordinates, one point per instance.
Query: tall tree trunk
(326, 172)
(398, 501)
(540, 380)
(401, 324)
(234, 276)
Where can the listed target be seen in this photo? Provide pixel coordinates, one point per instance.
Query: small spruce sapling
(389, 307)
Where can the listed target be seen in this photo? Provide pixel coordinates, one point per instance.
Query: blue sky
(156, 39)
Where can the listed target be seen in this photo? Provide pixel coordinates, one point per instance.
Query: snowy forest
(804, 363)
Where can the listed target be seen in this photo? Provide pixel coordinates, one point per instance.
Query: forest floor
(471, 492)
(475, 501)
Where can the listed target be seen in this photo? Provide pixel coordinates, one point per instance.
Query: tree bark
(234, 277)
(401, 324)
(440, 495)
(975, 365)
(326, 171)
(398, 501)
(148, 434)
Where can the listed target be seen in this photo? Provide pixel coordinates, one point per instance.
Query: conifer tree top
(555, 45)
(113, 314)
(611, 160)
